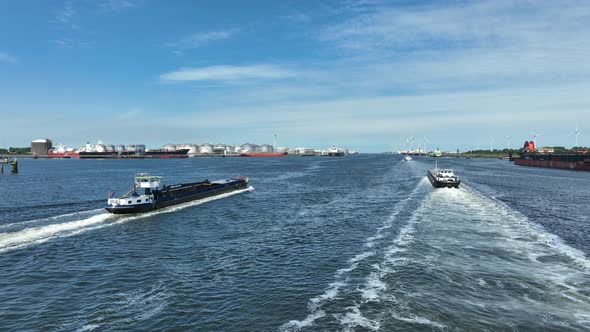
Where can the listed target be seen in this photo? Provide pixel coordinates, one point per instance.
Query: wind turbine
(508, 141)
(491, 143)
(425, 141)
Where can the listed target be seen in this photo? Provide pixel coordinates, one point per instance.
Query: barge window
(128, 202)
(139, 201)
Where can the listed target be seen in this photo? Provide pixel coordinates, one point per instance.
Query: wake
(37, 235)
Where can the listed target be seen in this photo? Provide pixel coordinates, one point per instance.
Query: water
(322, 244)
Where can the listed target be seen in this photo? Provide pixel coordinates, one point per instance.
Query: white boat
(407, 158)
(441, 178)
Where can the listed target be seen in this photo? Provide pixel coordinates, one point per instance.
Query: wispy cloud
(70, 43)
(199, 39)
(7, 58)
(65, 14)
(227, 73)
(116, 5)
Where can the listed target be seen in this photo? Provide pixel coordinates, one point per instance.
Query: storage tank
(266, 148)
(281, 149)
(192, 148)
(40, 147)
(120, 148)
(291, 151)
(170, 147)
(110, 148)
(131, 147)
(100, 147)
(219, 148)
(249, 147)
(206, 148)
(236, 149)
(140, 148)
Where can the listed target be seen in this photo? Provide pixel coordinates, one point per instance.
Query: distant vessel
(441, 178)
(573, 160)
(437, 153)
(263, 154)
(61, 151)
(156, 196)
(333, 151)
(407, 158)
(102, 151)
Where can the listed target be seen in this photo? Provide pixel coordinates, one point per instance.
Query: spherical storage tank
(266, 148)
(206, 149)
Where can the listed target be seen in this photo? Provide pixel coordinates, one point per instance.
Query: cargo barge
(579, 161)
(547, 158)
(155, 195)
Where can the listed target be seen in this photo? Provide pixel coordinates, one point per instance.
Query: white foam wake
(333, 289)
(40, 234)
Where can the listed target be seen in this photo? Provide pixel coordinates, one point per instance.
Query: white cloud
(226, 73)
(116, 5)
(5, 57)
(199, 39)
(65, 14)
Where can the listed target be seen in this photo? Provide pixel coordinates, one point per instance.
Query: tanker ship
(156, 196)
(573, 160)
(109, 151)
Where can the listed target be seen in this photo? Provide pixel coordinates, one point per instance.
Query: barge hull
(170, 200)
(578, 166)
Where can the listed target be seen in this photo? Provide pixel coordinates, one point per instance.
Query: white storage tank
(170, 147)
(266, 148)
(140, 148)
(219, 148)
(281, 149)
(120, 148)
(193, 149)
(249, 147)
(291, 151)
(206, 148)
(236, 149)
(131, 147)
(110, 148)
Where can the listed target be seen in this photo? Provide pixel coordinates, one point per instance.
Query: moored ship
(263, 154)
(155, 195)
(548, 158)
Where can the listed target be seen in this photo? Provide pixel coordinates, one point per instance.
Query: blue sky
(358, 74)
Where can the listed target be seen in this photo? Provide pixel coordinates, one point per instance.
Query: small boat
(407, 158)
(441, 178)
(155, 195)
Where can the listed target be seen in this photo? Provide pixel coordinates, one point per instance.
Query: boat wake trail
(477, 259)
(36, 235)
(341, 276)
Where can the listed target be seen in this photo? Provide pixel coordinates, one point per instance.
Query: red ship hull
(263, 154)
(52, 154)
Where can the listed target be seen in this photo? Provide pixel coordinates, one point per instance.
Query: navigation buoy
(14, 166)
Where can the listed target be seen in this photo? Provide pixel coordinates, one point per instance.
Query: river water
(357, 243)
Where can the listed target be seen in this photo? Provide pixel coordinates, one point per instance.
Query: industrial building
(40, 147)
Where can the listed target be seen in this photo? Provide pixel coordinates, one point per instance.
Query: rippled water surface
(322, 244)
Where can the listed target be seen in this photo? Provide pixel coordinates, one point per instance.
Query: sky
(366, 75)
